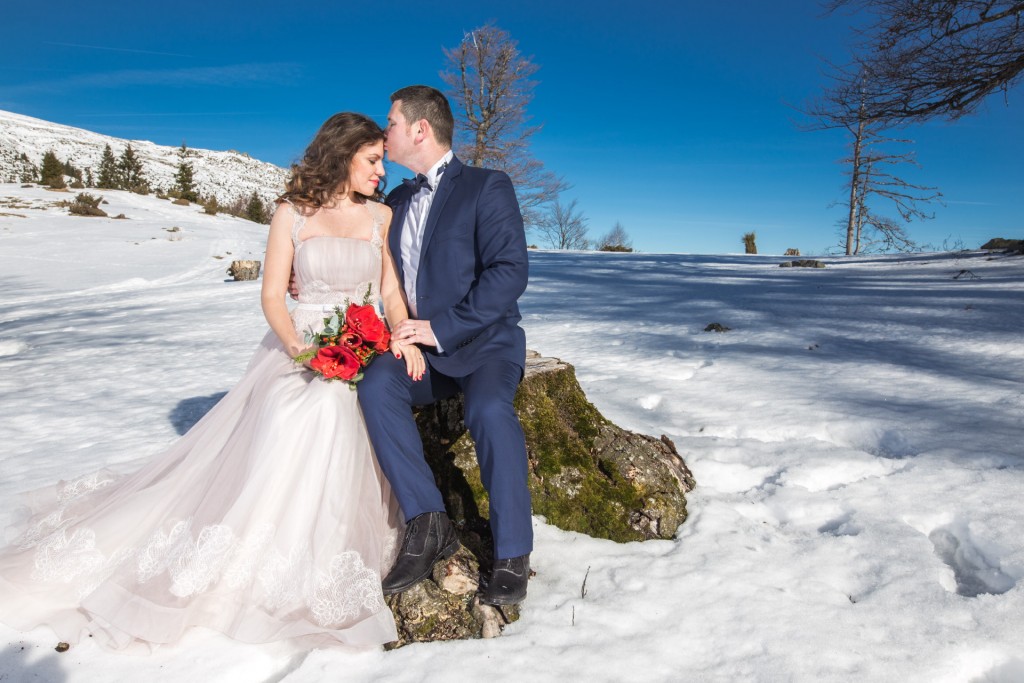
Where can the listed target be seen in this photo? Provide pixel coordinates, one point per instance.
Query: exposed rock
(802, 263)
(716, 327)
(244, 270)
(792, 252)
(1000, 243)
(586, 475)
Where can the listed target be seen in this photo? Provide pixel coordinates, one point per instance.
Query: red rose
(364, 321)
(336, 362)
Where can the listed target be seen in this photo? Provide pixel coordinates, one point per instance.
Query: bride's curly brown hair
(324, 166)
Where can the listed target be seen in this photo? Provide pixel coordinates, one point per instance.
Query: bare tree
(616, 239)
(882, 234)
(490, 86)
(925, 59)
(871, 170)
(872, 176)
(563, 226)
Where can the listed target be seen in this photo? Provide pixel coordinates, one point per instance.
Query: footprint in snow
(973, 572)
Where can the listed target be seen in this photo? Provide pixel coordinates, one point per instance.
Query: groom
(459, 246)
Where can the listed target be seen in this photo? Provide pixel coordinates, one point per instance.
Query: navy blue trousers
(386, 396)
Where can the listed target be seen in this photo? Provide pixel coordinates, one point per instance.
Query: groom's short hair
(423, 102)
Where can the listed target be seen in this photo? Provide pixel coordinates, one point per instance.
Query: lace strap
(298, 222)
(378, 220)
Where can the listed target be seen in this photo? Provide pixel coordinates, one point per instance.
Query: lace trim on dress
(378, 219)
(376, 241)
(67, 493)
(197, 563)
(215, 556)
(298, 223)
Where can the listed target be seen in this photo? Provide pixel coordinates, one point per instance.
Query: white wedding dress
(269, 520)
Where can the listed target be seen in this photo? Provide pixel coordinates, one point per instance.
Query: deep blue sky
(674, 117)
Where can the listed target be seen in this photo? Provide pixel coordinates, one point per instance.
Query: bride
(270, 519)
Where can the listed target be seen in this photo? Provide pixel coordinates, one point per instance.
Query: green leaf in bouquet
(308, 354)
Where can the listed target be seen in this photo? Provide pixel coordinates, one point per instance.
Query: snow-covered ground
(856, 439)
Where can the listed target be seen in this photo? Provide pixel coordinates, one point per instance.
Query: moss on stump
(586, 474)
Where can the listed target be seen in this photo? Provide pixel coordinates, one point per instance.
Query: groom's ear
(424, 131)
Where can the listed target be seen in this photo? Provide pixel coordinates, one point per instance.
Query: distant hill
(226, 175)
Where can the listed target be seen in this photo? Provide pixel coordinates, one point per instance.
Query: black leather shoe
(507, 585)
(428, 538)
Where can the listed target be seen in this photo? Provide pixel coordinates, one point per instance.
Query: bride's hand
(415, 363)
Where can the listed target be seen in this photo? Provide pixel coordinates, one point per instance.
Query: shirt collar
(435, 172)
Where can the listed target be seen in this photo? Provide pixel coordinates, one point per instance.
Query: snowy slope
(855, 437)
(226, 175)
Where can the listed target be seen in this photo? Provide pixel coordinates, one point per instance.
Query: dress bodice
(333, 271)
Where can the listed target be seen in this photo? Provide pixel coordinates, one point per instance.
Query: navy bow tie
(421, 180)
(416, 183)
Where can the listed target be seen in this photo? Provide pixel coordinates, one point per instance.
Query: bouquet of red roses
(349, 341)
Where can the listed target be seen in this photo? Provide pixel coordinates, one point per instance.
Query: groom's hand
(293, 288)
(411, 331)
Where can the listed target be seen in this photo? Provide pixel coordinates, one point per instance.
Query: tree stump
(585, 474)
(244, 270)
(445, 606)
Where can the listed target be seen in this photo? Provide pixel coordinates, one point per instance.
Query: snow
(855, 437)
(226, 175)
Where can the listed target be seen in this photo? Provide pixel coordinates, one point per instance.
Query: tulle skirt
(269, 520)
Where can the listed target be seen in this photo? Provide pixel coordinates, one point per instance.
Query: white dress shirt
(413, 227)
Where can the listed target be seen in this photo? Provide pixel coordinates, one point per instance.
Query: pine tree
(184, 181)
(28, 171)
(88, 177)
(131, 173)
(255, 209)
(71, 170)
(108, 174)
(211, 206)
(52, 172)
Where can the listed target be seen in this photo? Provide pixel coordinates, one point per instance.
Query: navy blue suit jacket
(473, 268)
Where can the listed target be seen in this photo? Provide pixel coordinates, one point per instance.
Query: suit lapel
(444, 190)
(399, 209)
